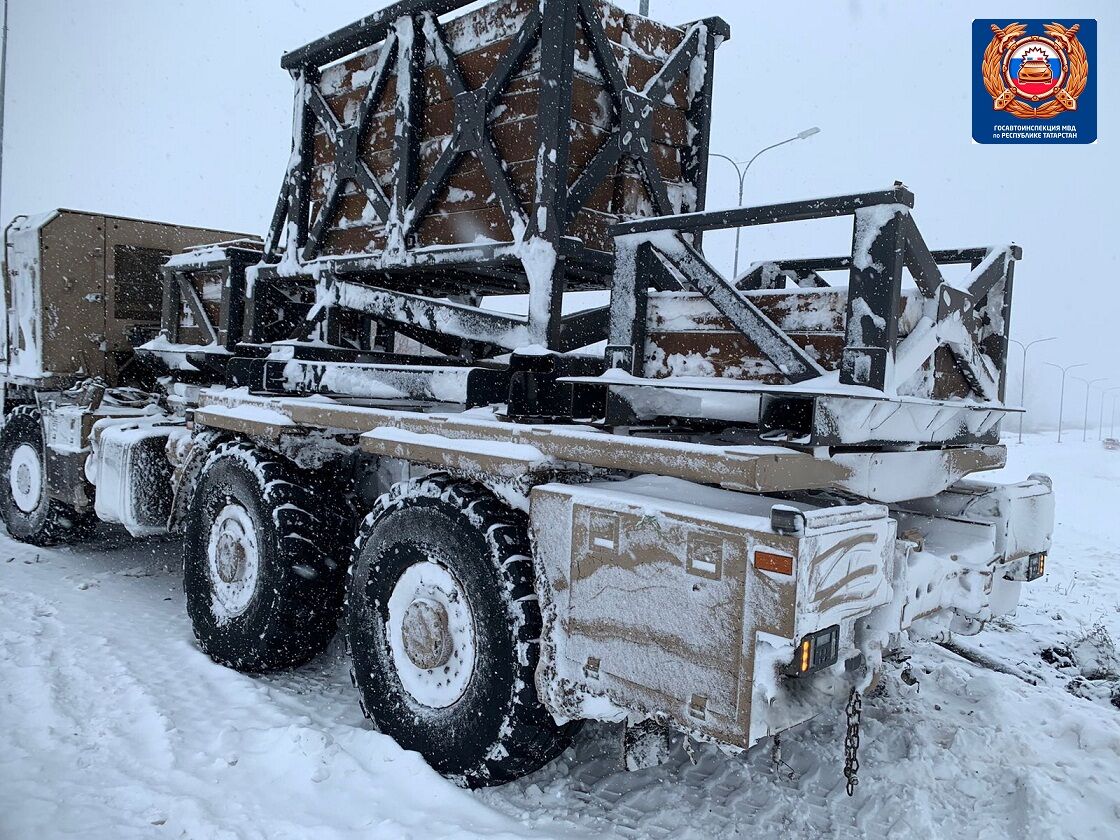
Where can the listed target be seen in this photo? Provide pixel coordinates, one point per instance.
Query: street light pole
(3, 87)
(1100, 420)
(1023, 377)
(1089, 383)
(1062, 399)
(643, 8)
(742, 173)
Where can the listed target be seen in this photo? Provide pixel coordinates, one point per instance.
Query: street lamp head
(1067, 368)
(1027, 345)
(809, 132)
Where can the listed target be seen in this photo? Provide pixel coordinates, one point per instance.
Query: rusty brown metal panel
(730, 355)
(464, 208)
(686, 335)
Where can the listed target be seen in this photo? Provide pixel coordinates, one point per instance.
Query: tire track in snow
(968, 752)
(114, 724)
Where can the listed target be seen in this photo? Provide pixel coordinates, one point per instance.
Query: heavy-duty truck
(705, 504)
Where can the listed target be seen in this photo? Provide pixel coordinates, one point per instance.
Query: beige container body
(78, 284)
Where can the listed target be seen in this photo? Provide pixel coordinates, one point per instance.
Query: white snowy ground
(113, 725)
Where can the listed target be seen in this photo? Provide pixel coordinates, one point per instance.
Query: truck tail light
(1036, 566)
(817, 650)
(1027, 568)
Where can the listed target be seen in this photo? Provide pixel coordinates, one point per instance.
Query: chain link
(854, 711)
(780, 765)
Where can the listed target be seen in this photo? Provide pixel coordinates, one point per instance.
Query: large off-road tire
(443, 626)
(31, 515)
(264, 561)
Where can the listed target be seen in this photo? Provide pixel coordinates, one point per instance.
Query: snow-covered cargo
(497, 144)
(492, 49)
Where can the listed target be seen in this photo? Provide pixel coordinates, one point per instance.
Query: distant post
(1089, 383)
(3, 86)
(1062, 399)
(1023, 377)
(1100, 422)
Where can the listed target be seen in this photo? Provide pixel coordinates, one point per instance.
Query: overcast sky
(179, 111)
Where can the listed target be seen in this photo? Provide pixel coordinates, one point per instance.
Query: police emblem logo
(1035, 77)
(1034, 81)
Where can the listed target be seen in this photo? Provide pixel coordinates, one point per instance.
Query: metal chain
(854, 711)
(781, 767)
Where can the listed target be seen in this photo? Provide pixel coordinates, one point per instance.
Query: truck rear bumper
(964, 554)
(686, 604)
(669, 600)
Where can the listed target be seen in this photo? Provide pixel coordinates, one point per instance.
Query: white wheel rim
(234, 562)
(25, 476)
(431, 635)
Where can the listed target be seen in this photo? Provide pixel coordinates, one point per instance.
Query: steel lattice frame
(970, 319)
(405, 31)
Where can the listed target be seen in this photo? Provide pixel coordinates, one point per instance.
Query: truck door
(72, 297)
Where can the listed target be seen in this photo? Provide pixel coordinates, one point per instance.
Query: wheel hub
(25, 477)
(424, 634)
(431, 635)
(230, 561)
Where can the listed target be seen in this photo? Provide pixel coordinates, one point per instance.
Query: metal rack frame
(405, 31)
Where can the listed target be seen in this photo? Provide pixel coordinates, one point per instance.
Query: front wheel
(30, 513)
(443, 626)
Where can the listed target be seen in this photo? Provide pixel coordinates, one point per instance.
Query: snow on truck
(708, 504)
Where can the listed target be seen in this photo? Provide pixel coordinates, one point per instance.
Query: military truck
(705, 504)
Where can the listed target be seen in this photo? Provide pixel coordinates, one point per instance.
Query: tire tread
(306, 618)
(530, 738)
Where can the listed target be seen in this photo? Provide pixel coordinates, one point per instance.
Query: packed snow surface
(114, 725)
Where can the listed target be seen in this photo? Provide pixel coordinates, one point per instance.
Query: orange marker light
(815, 651)
(767, 561)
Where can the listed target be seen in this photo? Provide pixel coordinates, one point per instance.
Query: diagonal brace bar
(793, 362)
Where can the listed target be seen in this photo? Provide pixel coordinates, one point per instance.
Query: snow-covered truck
(702, 503)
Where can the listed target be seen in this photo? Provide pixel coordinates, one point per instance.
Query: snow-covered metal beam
(437, 316)
(363, 33)
(874, 291)
(793, 211)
